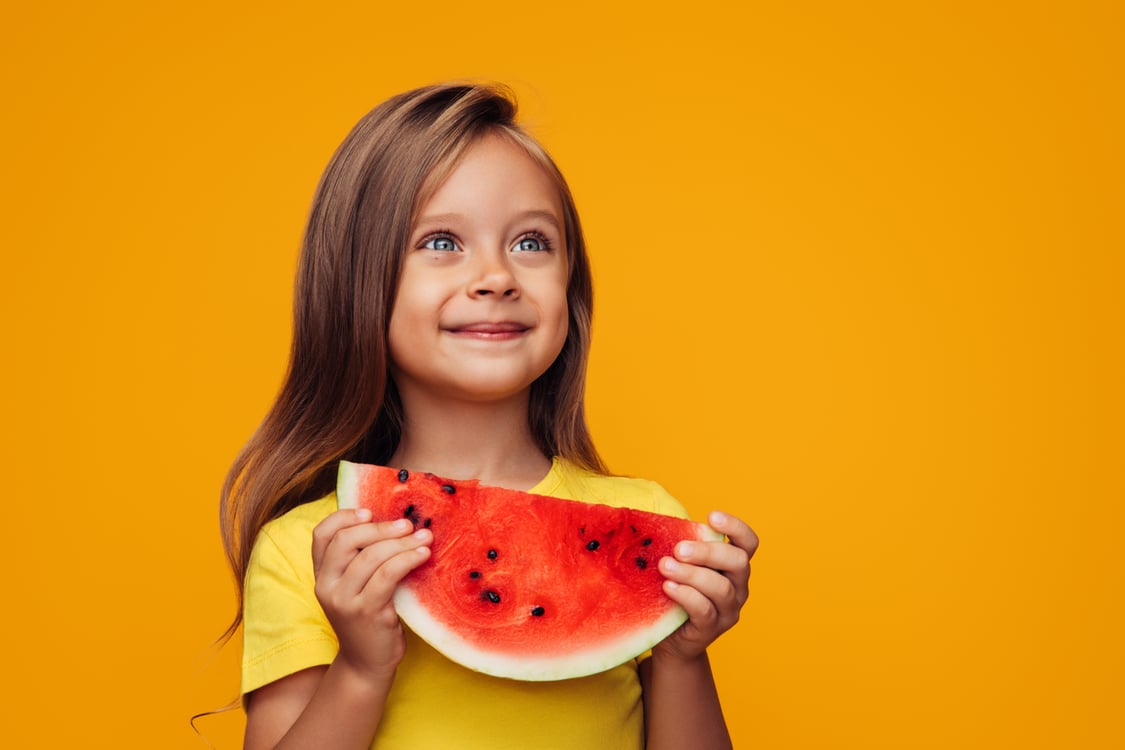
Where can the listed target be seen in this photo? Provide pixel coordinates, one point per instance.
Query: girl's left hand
(711, 581)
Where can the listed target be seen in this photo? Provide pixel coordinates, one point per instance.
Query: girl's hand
(711, 581)
(357, 565)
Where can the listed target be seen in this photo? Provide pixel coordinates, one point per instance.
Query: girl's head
(359, 229)
(338, 399)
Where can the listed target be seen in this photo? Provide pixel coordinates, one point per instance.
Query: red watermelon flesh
(526, 586)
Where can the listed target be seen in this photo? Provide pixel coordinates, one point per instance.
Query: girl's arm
(710, 580)
(681, 705)
(321, 707)
(357, 566)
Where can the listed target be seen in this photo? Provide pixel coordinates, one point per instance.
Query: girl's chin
(472, 390)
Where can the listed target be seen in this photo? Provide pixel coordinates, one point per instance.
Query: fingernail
(422, 533)
(363, 514)
(669, 564)
(716, 518)
(685, 549)
(402, 524)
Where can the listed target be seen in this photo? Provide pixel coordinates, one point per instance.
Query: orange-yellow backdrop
(860, 275)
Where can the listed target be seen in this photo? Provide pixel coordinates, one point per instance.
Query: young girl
(442, 323)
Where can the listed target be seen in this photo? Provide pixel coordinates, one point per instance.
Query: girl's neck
(467, 440)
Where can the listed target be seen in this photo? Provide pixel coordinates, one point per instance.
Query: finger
(372, 558)
(381, 584)
(701, 611)
(336, 521)
(332, 555)
(729, 560)
(355, 538)
(720, 556)
(739, 533)
(712, 584)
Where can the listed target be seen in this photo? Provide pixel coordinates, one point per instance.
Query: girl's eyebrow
(546, 216)
(435, 220)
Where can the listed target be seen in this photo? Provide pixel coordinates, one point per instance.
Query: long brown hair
(338, 399)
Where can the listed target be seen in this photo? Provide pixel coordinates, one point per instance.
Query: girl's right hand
(357, 565)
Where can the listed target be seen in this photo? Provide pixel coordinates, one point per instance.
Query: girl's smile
(481, 308)
(486, 331)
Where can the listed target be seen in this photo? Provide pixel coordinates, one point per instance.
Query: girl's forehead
(493, 174)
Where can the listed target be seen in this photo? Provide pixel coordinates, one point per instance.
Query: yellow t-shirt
(435, 703)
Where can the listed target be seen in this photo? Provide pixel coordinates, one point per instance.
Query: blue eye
(530, 245)
(445, 244)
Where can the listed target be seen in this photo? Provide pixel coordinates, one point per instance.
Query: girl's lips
(491, 331)
(503, 327)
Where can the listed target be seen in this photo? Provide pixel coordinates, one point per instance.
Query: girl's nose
(494, 277)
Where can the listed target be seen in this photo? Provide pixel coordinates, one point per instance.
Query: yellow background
(859, 271)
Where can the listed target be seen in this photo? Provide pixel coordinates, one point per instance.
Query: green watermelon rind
(526, 667)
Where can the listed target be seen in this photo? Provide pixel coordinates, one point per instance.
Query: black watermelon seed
(593, 545)
(492, 596)
(474, 574)
(492, 554)
(426, 523)
(403, 475)
(646, 542)
(408, 512)
(641, 563)
(634, 528)
(537, 611)
(449, 488)
(582, 530)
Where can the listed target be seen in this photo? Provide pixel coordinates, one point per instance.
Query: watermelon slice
(526, 586)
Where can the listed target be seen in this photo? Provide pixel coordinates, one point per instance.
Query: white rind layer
(347, 485)
(584, 660)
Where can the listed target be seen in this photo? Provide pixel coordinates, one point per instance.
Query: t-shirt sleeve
(284, 628)
(663, 502)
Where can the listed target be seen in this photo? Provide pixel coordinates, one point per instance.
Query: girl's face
(481, 308)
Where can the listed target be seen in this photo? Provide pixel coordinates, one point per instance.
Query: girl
(442, 323)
